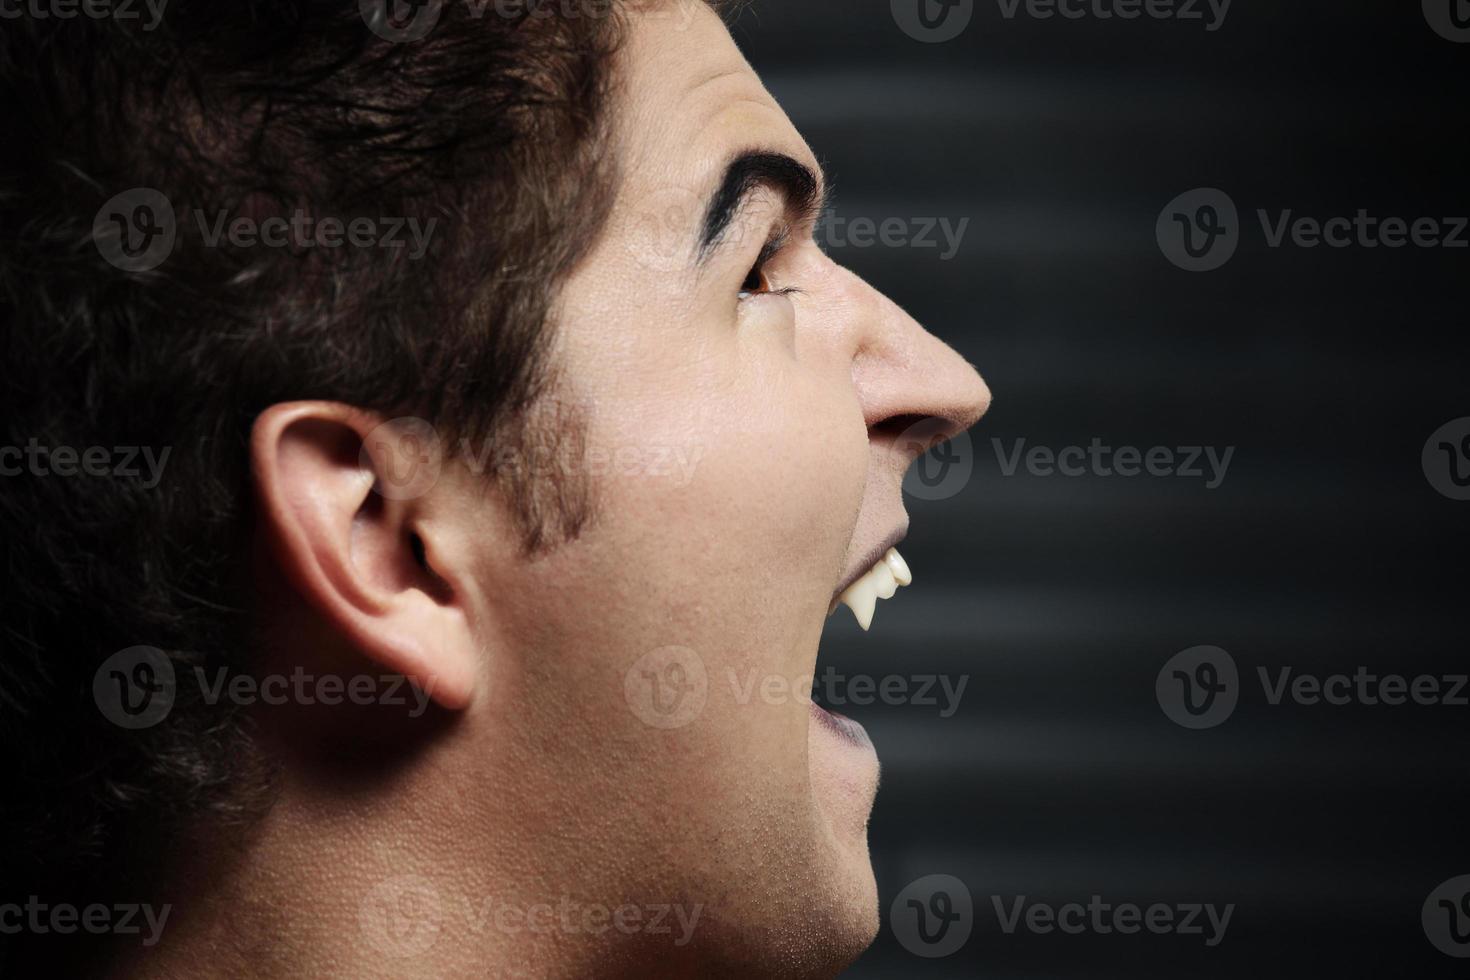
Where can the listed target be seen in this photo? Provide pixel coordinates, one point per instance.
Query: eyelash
(768, 252)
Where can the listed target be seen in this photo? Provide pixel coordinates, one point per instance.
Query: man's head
(591, 472)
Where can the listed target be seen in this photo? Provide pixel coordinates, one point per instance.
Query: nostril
(895, 425)
(914, 432)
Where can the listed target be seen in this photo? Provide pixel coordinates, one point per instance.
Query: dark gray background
(1326, 548)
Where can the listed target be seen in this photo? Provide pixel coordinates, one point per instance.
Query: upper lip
(872, 558)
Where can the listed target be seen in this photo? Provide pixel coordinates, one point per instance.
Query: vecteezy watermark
(1362, 687)
(1210, 13)
(838, 231)
(674, 463)
(301, 687)
(1099, 459)
(943, 464)
(302, 230)
(1200, 230)
(405, 21)
(1446, 459)
(1450, 19)
(933, 916)
(831, 688)
(937, 21)
(932, 21)
(407, 457)
(118, 10)
(401, 916)
(1362, 230)
(404, 916)
(64, 919)
(1446, 917)
(1101, 918)
(664, 229)
(667, 688)
(112, 461)
(135, 688)
(137, 230)
(401, 21)
(138, 687)
(1200, 687)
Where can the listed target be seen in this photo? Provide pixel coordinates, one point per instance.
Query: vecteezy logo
(1199, 230)
(1450, 19)
(1446, 459)
(933, 916)
(401, 21)
(135, 230)
(933, 21)
(941, 470)
(406, 457)
(401, 916)
(665, 227)
(134, 688)
(667, 687)
(1446, 917)
(1198, 687)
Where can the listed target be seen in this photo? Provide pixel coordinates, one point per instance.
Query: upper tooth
(884, 578)
(861, 597)
(878, 582)
(898, 566)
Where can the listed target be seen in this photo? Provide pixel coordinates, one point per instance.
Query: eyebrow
(801, 187)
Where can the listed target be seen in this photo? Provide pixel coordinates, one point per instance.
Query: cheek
(802, 455)
(732, 549)
(731, 539)
(779, 460)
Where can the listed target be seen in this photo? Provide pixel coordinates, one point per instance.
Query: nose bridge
(901, 368)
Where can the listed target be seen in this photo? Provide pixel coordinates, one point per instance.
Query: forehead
(690, 102)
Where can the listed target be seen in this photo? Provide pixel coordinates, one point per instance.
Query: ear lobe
(345, 500)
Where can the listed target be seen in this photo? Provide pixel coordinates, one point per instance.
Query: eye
(755, 280)
(757, 283)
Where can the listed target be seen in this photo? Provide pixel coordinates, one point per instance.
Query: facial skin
(538, 777)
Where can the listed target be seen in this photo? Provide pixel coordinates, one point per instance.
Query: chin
(840, 892)
(840, 923)
(843, 770)
(854, 911)
(810, 907)
(857, 917)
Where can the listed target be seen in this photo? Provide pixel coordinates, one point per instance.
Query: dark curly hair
(495, 124)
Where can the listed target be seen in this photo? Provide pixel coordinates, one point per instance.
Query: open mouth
(879, 578)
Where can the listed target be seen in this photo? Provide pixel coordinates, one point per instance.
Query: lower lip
(843, 726)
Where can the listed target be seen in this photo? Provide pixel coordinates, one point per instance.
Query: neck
(404, 879)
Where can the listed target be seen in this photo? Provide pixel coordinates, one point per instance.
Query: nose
(916, 391)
